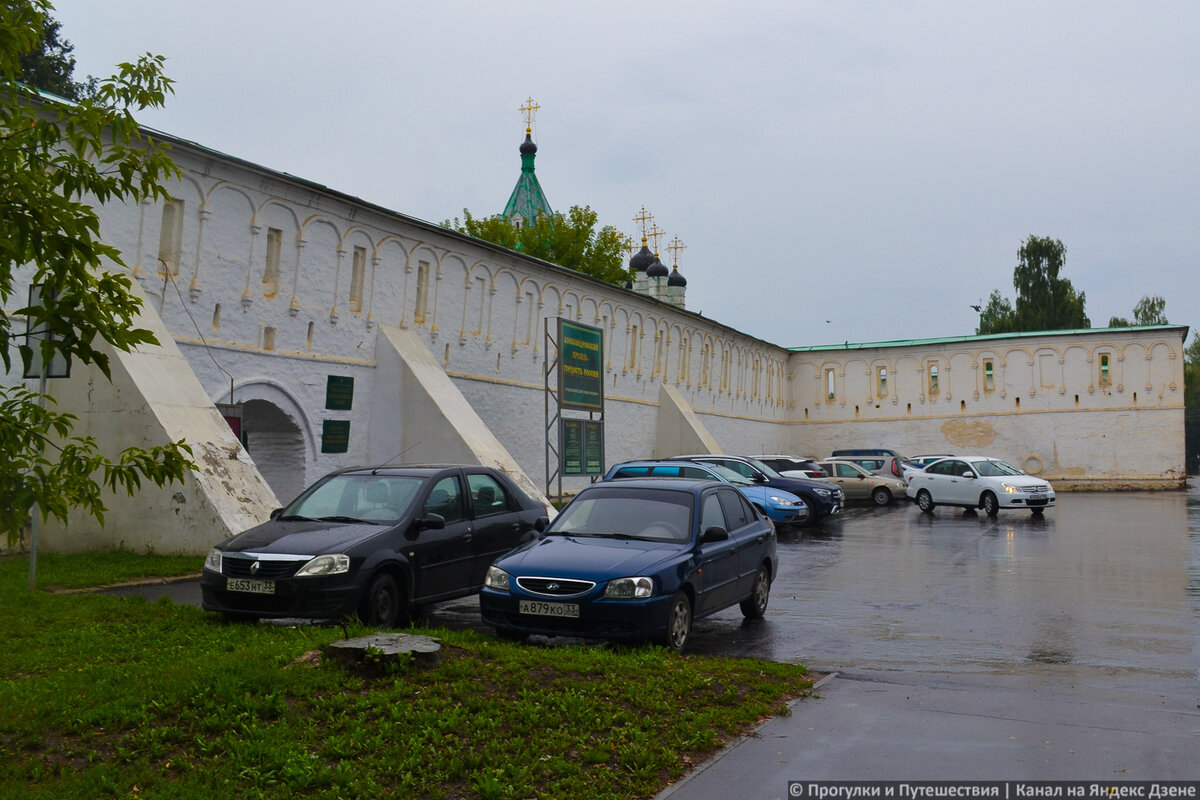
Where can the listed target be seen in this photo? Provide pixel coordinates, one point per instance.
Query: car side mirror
(968, 474)
(277, 513)
(431, 521)
(714, 534)
(541, 523)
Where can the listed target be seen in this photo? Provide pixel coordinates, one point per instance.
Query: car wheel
(989, 504)
(881, 496)
(754, 606)
(679, 622)
(925, 500)
(381, 602)
(814, 510)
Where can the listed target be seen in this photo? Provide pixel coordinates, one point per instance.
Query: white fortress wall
(1103, 406)
(274, 285)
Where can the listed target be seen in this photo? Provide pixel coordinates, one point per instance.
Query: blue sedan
(782, 508)
(636, 559)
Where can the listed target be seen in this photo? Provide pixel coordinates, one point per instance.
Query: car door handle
(466, 537)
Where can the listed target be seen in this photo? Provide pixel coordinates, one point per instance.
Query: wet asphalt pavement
(967, 647)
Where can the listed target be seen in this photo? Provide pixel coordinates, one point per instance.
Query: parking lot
(969, 647)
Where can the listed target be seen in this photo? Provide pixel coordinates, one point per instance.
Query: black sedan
(636, 559)
(372, 542)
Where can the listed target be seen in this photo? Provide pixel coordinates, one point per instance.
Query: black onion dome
(642, 259)
(676, 278)
(528, 148)
(657, 269)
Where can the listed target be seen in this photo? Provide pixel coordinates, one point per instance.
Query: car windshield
(649, 514)
(731, 476)
(763, 468)
(380, 499)
(995, 469)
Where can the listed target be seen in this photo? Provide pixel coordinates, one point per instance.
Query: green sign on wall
(580, 366)
(335, 436)
(339, 392)
(582, 447)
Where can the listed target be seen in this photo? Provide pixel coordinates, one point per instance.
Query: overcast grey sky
(876, 165)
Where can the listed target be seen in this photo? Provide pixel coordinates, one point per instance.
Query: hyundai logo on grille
(552, 587)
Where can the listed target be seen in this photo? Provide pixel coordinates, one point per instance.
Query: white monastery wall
(275, 291)
(1086, 408)
(271, 285)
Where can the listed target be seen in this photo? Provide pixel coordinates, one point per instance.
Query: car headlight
(325, 565)
(496, 578)
(783, 501)
(1009, 488)
(213, 562)
(629, 588)
(822, 492)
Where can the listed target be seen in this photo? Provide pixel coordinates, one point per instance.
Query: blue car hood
(590, 557)
(302, 537)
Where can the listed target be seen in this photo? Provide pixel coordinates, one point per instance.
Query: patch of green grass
(88, 570)
(117, 696)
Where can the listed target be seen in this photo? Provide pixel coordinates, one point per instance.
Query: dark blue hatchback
(636, 559)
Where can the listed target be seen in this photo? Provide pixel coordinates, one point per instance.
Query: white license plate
(251, 586)
(544, 609)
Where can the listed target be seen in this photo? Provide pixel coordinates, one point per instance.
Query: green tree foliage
(571, 241)
(56, 160)
(1148, 311)
(1191, 402)
(49, 66)
(1045, 301)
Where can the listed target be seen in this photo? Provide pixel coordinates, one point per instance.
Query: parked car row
(639, 555)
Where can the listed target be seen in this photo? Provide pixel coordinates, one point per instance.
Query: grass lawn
(119, 697)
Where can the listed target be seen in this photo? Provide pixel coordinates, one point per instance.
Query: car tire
(989, 504)
(381, 602)
(679, 622)
(925, 501)
(881, 496)
(814, 511)
(755, 606)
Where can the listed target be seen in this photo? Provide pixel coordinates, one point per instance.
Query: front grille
(240, 567)
(1037, 489)
(1037, 501)
(555, 587)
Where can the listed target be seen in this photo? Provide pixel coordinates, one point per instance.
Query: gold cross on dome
(641, 219)
(675, 246)
(656, 233)
(529, 109)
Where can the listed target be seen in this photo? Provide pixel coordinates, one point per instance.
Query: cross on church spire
(675, 246)
(529, 109)
(642, 219)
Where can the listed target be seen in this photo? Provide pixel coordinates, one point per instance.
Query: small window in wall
(631, 362)
(310, 334)
(170, 238)
(357, 271)
(271, 270)
(268, 338)
(422, 292)
(882, 392)
(830, 385)
(933, 379)
(989, 376)
(1105, 375)
(216, 325)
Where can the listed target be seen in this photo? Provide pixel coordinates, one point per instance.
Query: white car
(978, 482)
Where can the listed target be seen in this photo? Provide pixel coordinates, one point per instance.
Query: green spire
(527, 201)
